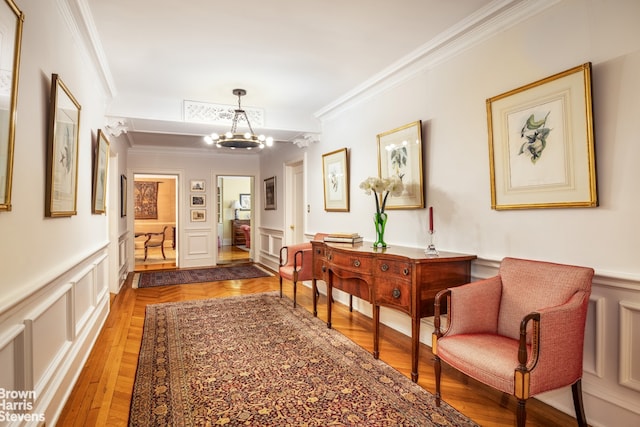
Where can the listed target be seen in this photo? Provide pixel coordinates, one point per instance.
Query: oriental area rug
(254, 360)
(199, 275)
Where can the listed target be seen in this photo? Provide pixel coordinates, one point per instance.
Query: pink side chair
(296, 263)
(521, 332)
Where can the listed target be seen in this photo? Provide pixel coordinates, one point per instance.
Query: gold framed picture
(541, 144)
(101, 167)
(12, 19)
(400, 153)
(62, 151)
(335, 174)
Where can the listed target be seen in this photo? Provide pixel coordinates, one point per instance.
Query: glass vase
(380, 221)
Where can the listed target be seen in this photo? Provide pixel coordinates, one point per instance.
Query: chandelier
(234, 139)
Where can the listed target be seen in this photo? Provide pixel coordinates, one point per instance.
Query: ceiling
(295, 58)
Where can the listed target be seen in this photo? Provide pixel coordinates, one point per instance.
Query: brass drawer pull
(396, 293)
(384, 267)
(356, 263)
(324, 268)
(405, 271)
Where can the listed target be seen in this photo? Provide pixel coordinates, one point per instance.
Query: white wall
(449, 97)
(54, 289)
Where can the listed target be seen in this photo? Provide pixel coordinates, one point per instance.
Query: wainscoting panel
(593, 362)
(123, 265)
(12, 376)
(46, 337)
(49, 331)
(84, 296)
(271, 240)
(630, 344)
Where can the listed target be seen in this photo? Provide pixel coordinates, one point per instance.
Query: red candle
(430, 219)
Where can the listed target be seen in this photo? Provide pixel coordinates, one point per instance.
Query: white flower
(392, 185)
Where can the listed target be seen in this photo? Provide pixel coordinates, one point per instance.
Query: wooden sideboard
(237, 234)
(397, 277)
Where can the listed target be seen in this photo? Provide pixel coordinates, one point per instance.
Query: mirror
(11, 19)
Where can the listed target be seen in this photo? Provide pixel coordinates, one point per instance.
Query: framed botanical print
(100, 174)
(541, 144)
(400, 153)
(335, 176)
(62, 151)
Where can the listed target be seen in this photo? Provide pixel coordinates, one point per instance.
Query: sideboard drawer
(390, 291)
(393, 268)
(352, 261)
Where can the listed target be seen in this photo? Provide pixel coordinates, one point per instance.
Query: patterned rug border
(136, 277)
(181, 404)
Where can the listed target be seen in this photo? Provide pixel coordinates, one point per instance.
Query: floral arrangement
(381, 188)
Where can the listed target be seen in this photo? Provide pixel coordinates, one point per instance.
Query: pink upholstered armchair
(296, 264)
(246, 229)
(521, 332)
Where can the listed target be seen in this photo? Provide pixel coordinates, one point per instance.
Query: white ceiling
(295, 58)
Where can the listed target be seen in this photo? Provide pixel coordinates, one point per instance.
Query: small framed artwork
(335, 175)
(270, 194)
(400, 153)
(123, 195)
(198, 215)
(197, 186)
(62, 151)
(12, 20)
(541, 144)
(245, 202)
(198, 201)
(100, 174)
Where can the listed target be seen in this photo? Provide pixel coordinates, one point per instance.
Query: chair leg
(280, 286)
(350, 303)
(438, 371)
(294, 293)
(162, 248)
(576, 390)
(145, 253)
(522, 413)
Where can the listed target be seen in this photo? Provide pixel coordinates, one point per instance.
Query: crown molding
(494, 18)
(78, 16)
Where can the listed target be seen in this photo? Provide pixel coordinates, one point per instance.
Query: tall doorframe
(295, 200)
(179, 201)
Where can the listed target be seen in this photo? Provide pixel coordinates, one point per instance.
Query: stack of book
(352, 238)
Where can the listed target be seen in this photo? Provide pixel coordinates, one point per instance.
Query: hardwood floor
(102, 394)
(226, 255)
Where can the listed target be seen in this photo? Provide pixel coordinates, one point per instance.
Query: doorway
(294, 202)
(155, 221)
(235, 219)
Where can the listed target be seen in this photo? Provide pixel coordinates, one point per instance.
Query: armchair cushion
(490, 359)
(478, 304)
